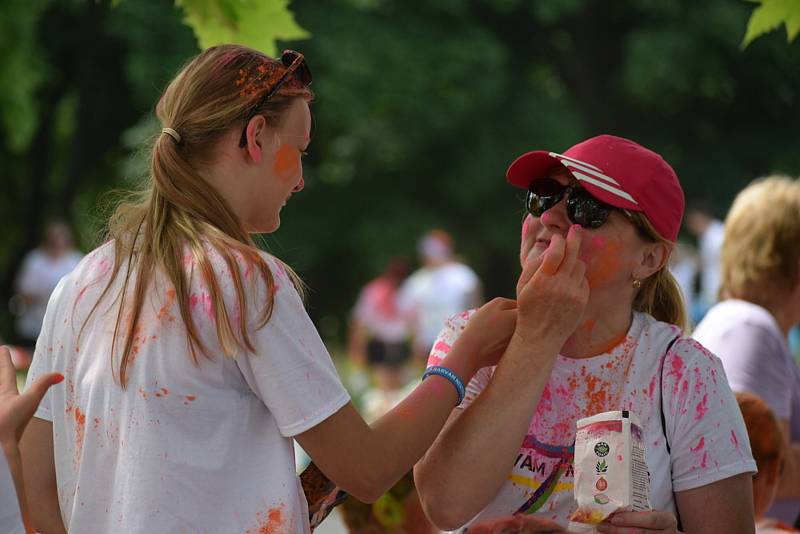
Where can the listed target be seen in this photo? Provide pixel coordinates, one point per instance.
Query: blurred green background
(420, 106)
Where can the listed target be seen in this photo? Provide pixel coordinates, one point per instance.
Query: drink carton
(610, 468)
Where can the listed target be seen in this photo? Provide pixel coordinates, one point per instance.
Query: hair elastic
(172, 133)
(451, 376)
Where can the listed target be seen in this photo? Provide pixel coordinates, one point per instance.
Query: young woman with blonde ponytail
(602, 220)
(190, 363)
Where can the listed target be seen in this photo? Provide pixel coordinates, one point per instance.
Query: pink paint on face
(700, 445)
(287, 161)
(526, 226)
(701, 409)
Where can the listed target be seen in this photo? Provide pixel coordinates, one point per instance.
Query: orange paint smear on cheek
(603, 260)
(287, 161)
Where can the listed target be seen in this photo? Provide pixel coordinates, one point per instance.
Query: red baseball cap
(616, 171)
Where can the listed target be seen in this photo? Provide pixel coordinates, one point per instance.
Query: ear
(653, 258)
(255, 132)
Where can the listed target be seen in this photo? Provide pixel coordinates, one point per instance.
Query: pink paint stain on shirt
(700, 445)
(442, 346)
(81, 293)
(704, 460)
(205, 304)
(702, 408)
(189, 398)
(734, 439)
(652, 387)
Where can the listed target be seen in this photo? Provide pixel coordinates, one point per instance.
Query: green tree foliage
(254, 23)
(419, 108)
(770, 15)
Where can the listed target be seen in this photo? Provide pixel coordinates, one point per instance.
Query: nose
(300, 185)
(556, 219)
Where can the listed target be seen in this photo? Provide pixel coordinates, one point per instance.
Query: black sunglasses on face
(582, 208)
(295, 65)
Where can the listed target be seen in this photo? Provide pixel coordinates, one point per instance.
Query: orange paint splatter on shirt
(164, 313)
(80, 432)
(273, 522)
(287, 161)
(595, 395)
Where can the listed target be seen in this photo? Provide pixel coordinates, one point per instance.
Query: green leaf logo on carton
(602, 467)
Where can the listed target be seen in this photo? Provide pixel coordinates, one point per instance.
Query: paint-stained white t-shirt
(194, 448)
(706, 433)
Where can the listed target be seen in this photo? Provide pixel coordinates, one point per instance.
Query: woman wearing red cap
(601, 223)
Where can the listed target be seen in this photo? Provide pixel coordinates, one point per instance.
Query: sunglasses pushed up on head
(582, 208)
(295, 67)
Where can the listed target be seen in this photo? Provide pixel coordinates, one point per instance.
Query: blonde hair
(760, 252)
(179, 210)
(660, 294)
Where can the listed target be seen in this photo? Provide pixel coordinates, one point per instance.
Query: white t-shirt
(757, 359)
(432, 294)
(705, 429)
(200, 448)
(10, 518)
(37, 278)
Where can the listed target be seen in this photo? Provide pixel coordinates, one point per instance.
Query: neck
(601, 328)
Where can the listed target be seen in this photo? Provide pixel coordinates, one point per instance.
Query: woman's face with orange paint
(282, 166)
(610, 252)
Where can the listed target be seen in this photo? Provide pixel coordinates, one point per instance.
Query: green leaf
(254, 23)
(771, 14)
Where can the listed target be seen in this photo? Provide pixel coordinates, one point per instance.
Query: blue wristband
(451, 376)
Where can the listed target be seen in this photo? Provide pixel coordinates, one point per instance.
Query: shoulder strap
(661, 389)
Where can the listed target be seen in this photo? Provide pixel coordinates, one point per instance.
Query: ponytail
(660, 294)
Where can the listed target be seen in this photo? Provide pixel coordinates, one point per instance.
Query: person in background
(40, 272)
(769, 452)
(15, 412)
(761, 302)
(599, 327)
(709, 233)
(684, 266)
(379, 339)
(440, 288)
